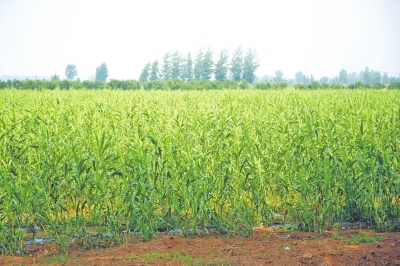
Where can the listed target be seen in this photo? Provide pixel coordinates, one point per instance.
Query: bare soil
(266, 247)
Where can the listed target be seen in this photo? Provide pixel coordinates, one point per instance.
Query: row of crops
(140, 162)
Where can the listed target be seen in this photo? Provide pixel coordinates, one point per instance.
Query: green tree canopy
(324, 80)
(102, 73)
(207, 65)
(367, 76)
(166, 67)
(198, 65)
(250, 65)
(221, 67)
(385, 78)
(244, 84)
(154, 72)
(343, 77)
(187, 68)
(144, 76)
(71, 72)
(278, 76)
(299, 76)
(176, 65)
(237, 64)
(55, 77)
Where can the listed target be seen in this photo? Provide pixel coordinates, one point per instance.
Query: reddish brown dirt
(266, 247)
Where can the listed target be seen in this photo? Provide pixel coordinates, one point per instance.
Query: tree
(250, 65)
(343, 78)
(385, 78)
(243, 85)
(154, 72)
(221, 67)
(166, 67)
(207, 65)
(306, 80)
(71, 72)
(187, 68)
(144, 76)
(55, 77)
(335, 80)
(176, 65)
(198, 65)
(366, 76)
(102, 73)
(324, 80)
(375, 77)
(352, 78)
(237, 64)
(278, 76)
(299, 77)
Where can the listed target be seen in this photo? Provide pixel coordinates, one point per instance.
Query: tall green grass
(145, 161)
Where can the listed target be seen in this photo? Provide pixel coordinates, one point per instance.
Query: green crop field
(145, 161)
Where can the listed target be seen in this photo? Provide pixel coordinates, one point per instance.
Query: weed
(356, 239)
(166, 256)
(310, 237)
(57, 259)
(150, 256)
(337, 237)
(133, 256)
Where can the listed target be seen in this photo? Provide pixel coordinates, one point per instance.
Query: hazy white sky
(40, 37)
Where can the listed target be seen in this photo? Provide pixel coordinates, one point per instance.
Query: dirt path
(264, 248)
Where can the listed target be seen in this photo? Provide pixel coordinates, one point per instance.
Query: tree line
(367, 76)
(176, 84)
(242, 66)
(71, 72)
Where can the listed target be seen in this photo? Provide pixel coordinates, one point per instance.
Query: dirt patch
(266, 247)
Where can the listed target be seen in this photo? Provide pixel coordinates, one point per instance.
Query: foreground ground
(266, 247)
